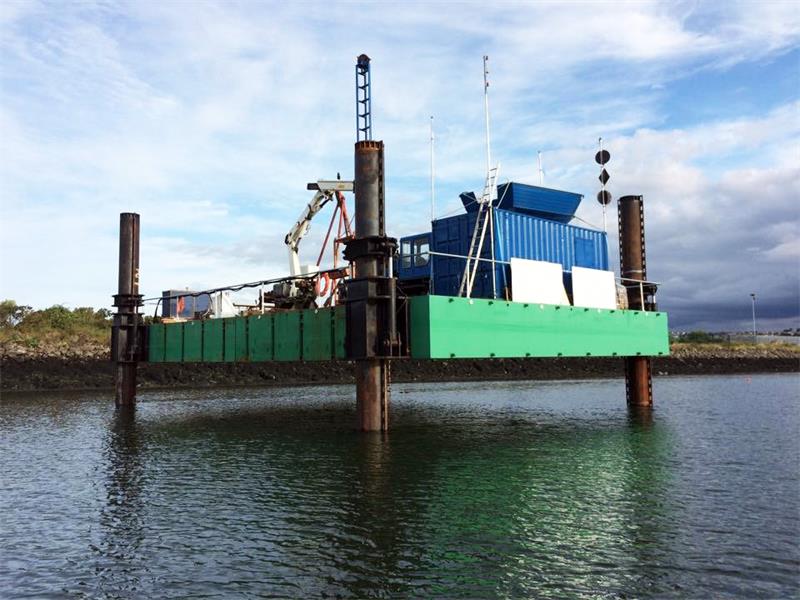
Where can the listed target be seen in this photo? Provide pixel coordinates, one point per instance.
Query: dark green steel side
(155, 342)
(174, 343)
(240, 350)
(213, 340)
(288, 335)
(259, 339)
(193, 341)
(444, 327)
(318, 334)
(339, 331)
(229, 327)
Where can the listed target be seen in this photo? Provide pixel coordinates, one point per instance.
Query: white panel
(593, 288)
(537, 282)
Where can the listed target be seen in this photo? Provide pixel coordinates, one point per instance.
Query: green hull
(440, 327)
(444, 327)
(311, 335)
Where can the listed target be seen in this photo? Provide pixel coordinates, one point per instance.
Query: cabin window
(421, 256)
(405, 254)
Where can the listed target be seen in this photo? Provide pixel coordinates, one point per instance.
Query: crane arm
(325, 191)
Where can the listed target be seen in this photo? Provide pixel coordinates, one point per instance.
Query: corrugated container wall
(547, 203)
(516, 236)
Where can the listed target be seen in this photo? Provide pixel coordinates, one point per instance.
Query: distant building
(190, 306)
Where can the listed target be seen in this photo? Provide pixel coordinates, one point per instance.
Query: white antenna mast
(433, 176)
(541, 171)
(492, 181)
(486, 110)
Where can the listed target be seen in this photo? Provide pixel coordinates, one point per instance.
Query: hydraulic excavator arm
(325, 191)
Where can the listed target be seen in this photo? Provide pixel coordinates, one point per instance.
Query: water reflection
(480, 490)
(653, 523)
(296, 501)
(122, 516)
(640, 416)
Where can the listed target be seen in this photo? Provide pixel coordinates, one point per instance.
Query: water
(482, 490)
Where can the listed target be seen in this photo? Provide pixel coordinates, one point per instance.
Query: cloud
(209, 122)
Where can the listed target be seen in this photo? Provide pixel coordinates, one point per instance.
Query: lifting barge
(509, 277)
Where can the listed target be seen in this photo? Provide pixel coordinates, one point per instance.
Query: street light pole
(755, 336)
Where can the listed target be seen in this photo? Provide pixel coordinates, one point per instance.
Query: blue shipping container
(516, 236)
(546, 203)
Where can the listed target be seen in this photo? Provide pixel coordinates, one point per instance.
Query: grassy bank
(53, 332)
(84, 333)
(734, 350)
(65, 349)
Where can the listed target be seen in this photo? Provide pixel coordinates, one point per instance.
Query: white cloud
(210, 121)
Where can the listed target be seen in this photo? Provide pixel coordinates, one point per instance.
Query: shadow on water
(287, 500)
(122, 516)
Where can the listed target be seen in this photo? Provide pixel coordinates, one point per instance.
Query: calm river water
(481, 490)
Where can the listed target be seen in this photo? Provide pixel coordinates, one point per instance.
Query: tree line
(22, 323)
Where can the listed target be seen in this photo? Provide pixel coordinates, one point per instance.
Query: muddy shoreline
(35, 373)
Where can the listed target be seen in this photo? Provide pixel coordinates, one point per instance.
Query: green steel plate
(240, 351)
(174, 346)
(259, 339)
(193, 341)
(229, 328)
(318, 334)
(444, 327)
(213, 340)
(339, 331)
(287, 335)
(155, 342)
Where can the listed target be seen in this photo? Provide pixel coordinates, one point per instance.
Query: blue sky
(209, 119)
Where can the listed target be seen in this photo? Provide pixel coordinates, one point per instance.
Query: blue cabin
(415, 258)
(530, 222)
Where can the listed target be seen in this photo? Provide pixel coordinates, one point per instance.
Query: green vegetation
(722, 343)
(57, 324)
(698, 337)
(738, 347)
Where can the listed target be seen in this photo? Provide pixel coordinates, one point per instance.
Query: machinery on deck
(302, 290)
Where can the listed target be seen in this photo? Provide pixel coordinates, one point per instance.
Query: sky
(209, 118)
